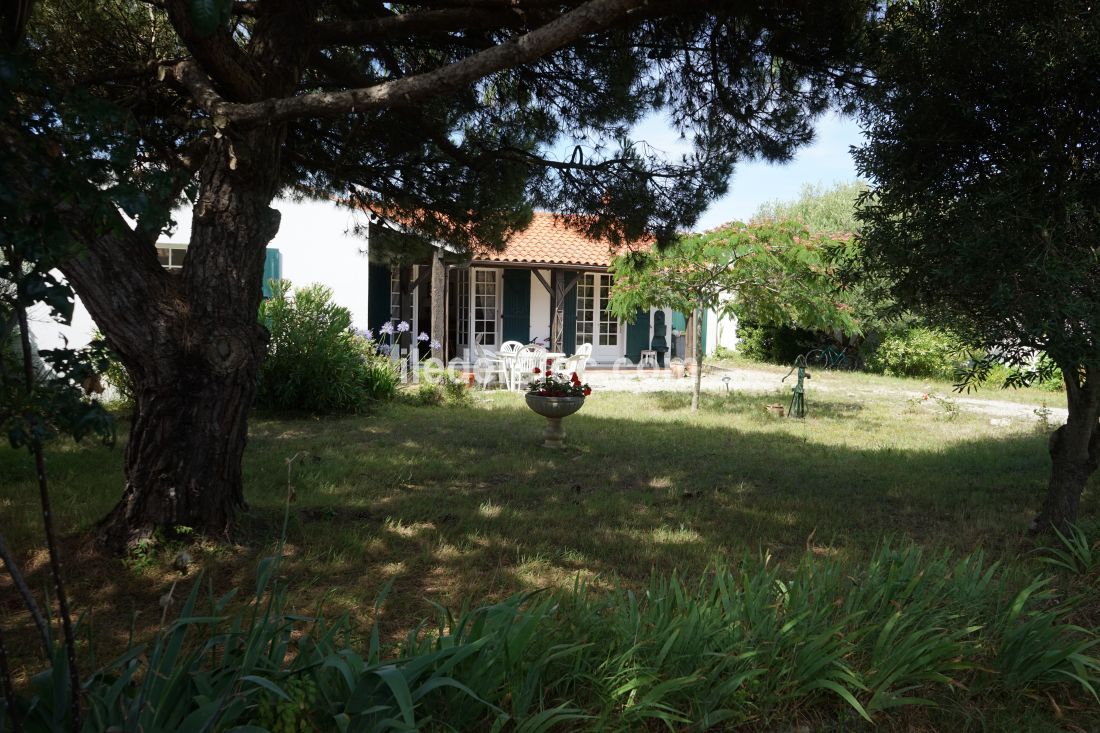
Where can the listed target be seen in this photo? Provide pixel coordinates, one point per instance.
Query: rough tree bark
(190, 339)
(193, 349)
(1074, 450)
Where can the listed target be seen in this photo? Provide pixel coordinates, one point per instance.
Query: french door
(486, 305)
(474, 308)
(595, 324)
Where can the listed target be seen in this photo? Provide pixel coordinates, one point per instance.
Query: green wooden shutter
(273, 269)
(517, 306)
(637, 336)
(378, 296)
(569, 325)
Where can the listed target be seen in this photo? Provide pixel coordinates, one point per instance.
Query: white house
(496, 296)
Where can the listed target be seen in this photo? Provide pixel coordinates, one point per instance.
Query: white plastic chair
(507, 355)
(488, 363)
(523, 366)
(577, 362)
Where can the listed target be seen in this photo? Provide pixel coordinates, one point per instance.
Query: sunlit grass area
(866, 382)
(457, 504)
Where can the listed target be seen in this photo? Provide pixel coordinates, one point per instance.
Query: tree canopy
(449, 116)
(983, 151)
(829, 209)
(771, 272)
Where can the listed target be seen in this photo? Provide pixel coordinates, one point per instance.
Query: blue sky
(825, 161)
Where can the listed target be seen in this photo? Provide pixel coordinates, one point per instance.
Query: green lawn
(459, 501)
(869, 383)
(455, 503)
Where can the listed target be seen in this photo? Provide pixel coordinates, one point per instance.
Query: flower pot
(554, 409)
(676, 367)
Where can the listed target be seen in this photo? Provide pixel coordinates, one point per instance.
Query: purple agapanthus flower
(367, 334)
(387, 328)
(384, 349)
(402, 327)
(435, 345)
(423, 337)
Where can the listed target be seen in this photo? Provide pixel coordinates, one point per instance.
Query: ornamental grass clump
(556, 384)
(754, 646)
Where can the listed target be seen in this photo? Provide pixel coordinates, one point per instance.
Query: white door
(486, 307)
(595, 325)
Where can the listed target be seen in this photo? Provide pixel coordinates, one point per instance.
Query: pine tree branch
(593, 16)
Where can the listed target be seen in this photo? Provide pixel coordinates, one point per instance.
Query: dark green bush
(774, 344)
(315, 362)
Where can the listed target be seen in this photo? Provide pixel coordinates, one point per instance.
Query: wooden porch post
(437, 329)
(404, 279)
(557, 310)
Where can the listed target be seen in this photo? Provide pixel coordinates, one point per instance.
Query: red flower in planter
(547, 384)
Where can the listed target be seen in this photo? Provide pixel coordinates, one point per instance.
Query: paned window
(460, 306)
(586, 304)
(595, 324)
(485, 306)
(171, 255)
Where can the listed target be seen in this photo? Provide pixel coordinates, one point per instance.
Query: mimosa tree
(772, 272)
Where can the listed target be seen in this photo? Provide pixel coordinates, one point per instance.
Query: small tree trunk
(1074, 452)
(698, 386)
(697, 349)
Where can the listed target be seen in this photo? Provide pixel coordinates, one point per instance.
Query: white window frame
(595, 324)
(494, 318)
(174, 252)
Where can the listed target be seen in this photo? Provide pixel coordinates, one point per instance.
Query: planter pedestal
(554, 409)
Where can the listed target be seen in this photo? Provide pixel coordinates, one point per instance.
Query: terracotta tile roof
(550, 241)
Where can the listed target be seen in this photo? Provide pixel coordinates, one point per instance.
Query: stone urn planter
(554, 409)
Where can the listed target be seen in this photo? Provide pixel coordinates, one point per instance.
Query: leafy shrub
(774, 344)
(120, 388)
(445, 390)
(315, 362)
(1047, 376)
(428, 394)
(917, 352)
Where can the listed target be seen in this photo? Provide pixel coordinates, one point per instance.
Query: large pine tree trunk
(183, 460)
(1074, 451)
(191, 339)
(193, 345)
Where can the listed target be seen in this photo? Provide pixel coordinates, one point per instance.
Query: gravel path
(759, 380)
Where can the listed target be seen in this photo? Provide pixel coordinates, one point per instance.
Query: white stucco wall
(317, 244)
(721, 331)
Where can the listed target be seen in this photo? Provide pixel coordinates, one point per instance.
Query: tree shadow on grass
(452, 504)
